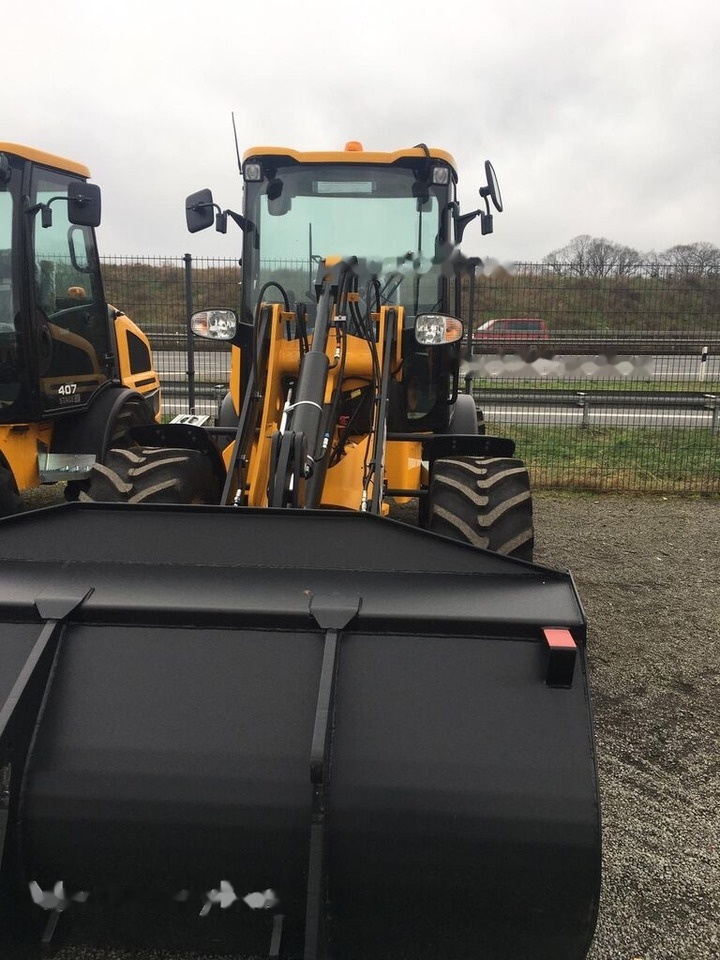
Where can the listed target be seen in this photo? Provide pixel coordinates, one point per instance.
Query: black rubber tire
(135, 412)
(153, 475)
(10, 499)
(485, 502)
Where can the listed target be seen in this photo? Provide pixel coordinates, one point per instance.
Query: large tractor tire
(486, 502)
(133, 412)
(153, 475)
(10, 501)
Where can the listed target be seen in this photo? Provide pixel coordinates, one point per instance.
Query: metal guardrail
(592, 344)
(589, 399)
(204, 389)
(582, 343)
(664, 398)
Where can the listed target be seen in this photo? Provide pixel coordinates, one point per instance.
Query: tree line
(586, 256)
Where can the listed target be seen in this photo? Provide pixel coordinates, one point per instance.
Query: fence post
(190, 339)
(584, 402)
(702, 373)
(711, 402)
(472, 265)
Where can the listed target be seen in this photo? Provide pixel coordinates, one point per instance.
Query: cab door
(71, 331)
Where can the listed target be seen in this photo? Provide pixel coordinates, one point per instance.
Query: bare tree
(571, 259)
(586, 256)
(692, 259)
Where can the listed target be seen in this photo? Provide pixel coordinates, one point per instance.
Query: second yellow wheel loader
(246, 712)
(75, 372)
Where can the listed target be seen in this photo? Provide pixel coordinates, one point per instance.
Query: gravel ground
(648, 573)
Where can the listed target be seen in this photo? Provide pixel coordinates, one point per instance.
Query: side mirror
(492, 190)
(84, 204)
(199, 211)
(214, 324)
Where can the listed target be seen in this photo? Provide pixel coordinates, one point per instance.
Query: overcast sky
(601, 118)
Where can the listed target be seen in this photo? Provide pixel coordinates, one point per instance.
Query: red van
(522, 328)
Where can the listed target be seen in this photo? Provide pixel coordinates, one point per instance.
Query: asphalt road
(213, 367)
(215, 364)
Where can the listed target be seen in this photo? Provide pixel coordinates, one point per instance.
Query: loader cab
(393, 213)
(55, 349)
(360, 243)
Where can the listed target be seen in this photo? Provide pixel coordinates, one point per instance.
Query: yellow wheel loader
(246, 711)
(75, 373)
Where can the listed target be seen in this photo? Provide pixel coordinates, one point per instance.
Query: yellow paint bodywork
(47, 159)
(349, 156)
(343, 486)
(20, 443)
(144, 381)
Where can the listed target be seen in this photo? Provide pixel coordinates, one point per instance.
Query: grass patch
(660, 460)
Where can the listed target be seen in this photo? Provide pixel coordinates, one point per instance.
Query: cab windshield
(389, 218)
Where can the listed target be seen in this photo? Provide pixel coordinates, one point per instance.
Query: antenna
(237, 149)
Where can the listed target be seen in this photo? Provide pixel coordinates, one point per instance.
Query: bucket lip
(64, 534)
(250, 568)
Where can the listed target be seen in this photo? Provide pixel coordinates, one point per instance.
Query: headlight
(432, 329)
(214, 324)
(252, 172)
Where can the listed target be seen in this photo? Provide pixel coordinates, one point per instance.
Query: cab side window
(71, 316)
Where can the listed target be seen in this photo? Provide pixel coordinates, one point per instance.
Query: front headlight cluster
(432, 329)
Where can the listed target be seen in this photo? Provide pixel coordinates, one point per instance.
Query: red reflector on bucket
(559, 639)
(562, 650)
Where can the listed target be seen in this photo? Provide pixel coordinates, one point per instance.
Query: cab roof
(46, 159)
(353, 153)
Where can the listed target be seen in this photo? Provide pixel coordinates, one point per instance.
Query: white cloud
(599, 119)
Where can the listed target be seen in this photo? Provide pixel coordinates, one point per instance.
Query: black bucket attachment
(292, 733)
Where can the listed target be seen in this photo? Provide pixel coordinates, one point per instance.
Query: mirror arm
(237, 218)
(46, 212)
(486, 218)
(221, 217)
(462, 221)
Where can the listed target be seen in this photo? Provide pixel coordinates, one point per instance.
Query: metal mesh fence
(616, 389)
(159, 294)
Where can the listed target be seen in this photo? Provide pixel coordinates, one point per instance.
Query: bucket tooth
(47, 946)
(332, 613)
(276, 937)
